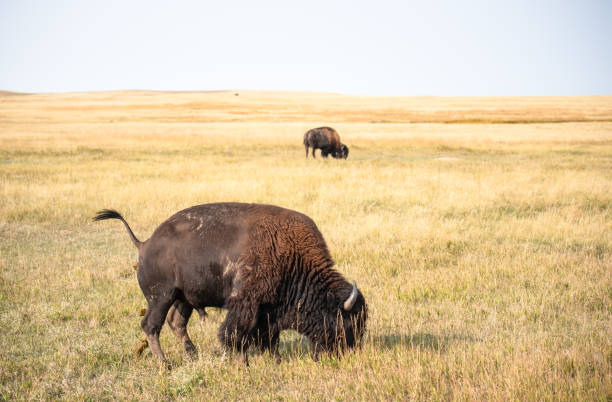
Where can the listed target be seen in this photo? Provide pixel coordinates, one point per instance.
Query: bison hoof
(191, 349)
(165, 365)
(243, 358)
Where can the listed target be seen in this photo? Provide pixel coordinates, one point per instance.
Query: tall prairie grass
(483, 250)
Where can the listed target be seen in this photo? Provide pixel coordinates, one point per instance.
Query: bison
(327, 140)
(268, 266)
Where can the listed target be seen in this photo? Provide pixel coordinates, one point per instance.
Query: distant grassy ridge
(261, 106)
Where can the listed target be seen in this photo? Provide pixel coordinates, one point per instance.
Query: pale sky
(376, 47)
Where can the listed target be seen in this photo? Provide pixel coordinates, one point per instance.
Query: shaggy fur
(268, 266)
(327, 140)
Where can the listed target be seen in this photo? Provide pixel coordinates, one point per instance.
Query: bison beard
(268, 266)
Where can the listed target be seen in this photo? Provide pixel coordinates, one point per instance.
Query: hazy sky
(370, 47)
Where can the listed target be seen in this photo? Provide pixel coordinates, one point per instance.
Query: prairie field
(478, 229)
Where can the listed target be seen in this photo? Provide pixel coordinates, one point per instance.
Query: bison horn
(350, 302)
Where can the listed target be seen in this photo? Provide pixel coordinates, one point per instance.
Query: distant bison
(327, 140)
(268, 266)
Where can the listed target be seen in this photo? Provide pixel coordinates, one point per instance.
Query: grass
(483, 250)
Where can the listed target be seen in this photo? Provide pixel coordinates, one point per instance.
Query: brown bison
(327, 140)
(268, 266)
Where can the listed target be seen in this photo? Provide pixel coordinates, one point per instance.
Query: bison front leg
(178, 317)
(235, 331)
(306, 146)
(266, 336)
(269, 341)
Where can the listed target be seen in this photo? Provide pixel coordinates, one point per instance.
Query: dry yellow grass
(484, 250)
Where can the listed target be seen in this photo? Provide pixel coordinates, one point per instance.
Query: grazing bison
(343, 152)
(327, 140)
(268, 266)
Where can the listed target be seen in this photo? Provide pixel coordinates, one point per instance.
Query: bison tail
(112, 214)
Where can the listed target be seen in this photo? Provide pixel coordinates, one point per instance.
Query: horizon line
(237, 91)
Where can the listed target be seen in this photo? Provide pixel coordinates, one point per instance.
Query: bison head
(344, 321)
(342, 152)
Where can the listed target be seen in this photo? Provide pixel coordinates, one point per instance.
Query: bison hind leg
(178, 317)
(153, 321)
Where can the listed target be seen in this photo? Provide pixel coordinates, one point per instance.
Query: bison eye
(331, 301)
